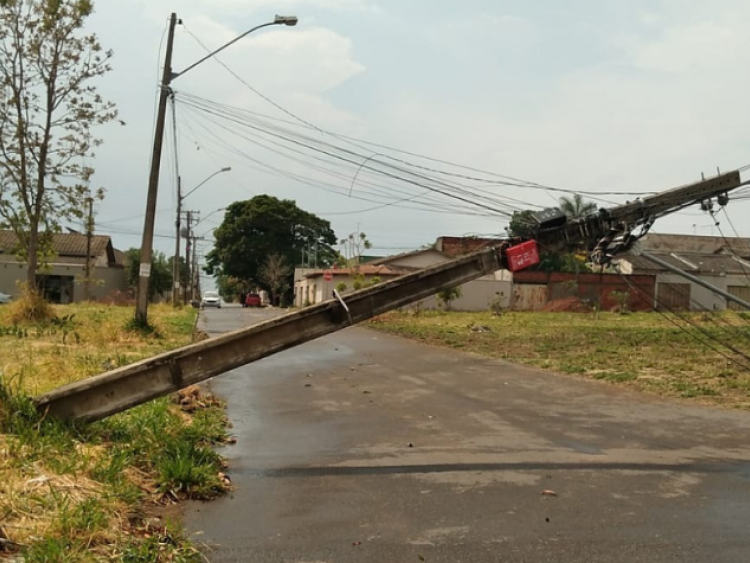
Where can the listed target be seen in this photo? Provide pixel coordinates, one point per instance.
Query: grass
(78, 493)
(642, 351)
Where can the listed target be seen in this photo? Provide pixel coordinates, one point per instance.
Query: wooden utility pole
(176, 270)
(188, 241)
(89, 236)
(144, 273)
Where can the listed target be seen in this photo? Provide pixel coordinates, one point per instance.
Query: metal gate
(529, 297)
(670, 296)
(741, 291)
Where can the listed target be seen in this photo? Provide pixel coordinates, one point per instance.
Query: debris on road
(549, 493)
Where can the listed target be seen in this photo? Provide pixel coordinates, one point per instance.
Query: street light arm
(279, 20)
(227, 169)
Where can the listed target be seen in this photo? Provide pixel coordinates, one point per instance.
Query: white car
(211, 299)
(5, 298)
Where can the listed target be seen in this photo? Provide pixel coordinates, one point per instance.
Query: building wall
(106, 279)
(476, 295)
(595, 289)
(701, 298)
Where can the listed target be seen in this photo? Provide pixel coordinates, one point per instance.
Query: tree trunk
(32, 259)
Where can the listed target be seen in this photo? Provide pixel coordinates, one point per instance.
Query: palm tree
(576, 207)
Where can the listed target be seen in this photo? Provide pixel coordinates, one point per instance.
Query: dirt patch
(567, 305)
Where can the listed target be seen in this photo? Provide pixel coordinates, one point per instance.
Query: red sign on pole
(327, 275)
(522, 256)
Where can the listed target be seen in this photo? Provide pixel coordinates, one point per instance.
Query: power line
(707, 335)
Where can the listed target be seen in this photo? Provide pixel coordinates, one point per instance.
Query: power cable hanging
(236, 115)
(264, 167)
(237, 151)
(708, 336)
(713, 317)
(347, 158)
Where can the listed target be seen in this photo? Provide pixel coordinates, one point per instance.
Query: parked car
(252, 300)
(5, 298)
(211, 299)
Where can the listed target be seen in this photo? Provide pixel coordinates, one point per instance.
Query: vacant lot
(77, 493)
(646, 351)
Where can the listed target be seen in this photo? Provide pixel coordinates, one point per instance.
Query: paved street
(365, 447)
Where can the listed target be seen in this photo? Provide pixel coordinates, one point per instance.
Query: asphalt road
(368, 448)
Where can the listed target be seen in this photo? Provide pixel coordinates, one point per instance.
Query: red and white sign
(327, 275)
(522, 256)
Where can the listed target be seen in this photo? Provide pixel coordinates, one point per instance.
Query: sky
(619, 96)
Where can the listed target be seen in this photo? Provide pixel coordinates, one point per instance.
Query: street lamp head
(286, 20)
(226, 169)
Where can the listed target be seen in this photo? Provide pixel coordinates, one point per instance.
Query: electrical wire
(707, 343)
(353, 140)
(390, 171)
(285, 173)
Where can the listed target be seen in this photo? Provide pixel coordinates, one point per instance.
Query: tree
(47, 110)
(353, 245)
(274, 275)
(449, 295)
(576, 207)
(160, 280)
(255, 229)
(523, 224)
(230, 288)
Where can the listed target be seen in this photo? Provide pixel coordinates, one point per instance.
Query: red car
(252, 300)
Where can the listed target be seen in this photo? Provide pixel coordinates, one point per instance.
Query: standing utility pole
(89, 235)
(141, 311)
(144, 273)
(176, 270)
(195, 280)
(187, 295)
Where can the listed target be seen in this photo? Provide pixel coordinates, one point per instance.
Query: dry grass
(86, 340)
(643, 351)
(78, 494)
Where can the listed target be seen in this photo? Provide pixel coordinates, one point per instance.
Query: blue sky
(624, 95)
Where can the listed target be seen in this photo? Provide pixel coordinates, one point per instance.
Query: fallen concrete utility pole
(118, 390)
(695, 279)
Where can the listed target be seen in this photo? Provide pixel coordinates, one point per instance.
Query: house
(62, 280)
(719, 261)
(312, 287)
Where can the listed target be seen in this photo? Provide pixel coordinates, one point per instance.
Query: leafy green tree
(257, 228)
(523, 224)
(448, 296)
(160, 280)
(576, 207)
(229, 287)
(48, 108)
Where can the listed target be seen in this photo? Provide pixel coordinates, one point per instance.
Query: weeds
(80, 491)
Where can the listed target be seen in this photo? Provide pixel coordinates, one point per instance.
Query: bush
(448, 295)
(30, 307)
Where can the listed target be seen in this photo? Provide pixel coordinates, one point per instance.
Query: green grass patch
(77, 493)
(641, 350)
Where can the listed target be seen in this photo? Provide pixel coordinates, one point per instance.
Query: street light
(144, 273)
(176, 261)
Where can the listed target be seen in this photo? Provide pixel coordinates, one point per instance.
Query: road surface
(365, 447)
